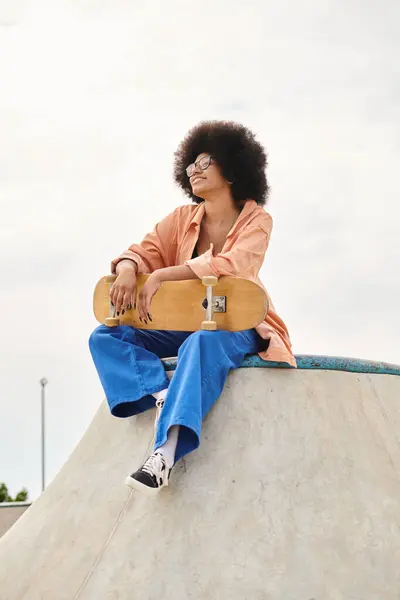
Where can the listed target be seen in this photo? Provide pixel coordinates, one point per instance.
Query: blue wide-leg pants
(130, 370)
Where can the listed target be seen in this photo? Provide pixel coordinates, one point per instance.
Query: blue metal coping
(315, 362)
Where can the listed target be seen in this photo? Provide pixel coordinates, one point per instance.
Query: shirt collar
(198, 214)
(248, 208)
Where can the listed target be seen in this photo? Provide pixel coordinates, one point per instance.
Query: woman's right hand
(123, 290)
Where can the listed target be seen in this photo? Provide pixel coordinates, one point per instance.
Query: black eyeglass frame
(190, 169)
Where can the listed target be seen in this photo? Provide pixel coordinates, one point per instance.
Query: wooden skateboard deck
(180, 305)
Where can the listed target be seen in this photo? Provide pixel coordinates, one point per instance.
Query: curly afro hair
(239, 155)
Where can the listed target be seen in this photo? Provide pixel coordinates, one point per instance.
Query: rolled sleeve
(127, 255)
(244, 259)
(153, 252)
(201, 265)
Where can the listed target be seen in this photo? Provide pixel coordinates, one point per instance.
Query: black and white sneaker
(151, 477)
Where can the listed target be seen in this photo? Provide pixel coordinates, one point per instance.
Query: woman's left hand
(146, 294)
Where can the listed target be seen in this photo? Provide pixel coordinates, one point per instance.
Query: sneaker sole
(141, 487)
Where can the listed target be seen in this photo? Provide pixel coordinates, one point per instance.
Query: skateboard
(227, 303)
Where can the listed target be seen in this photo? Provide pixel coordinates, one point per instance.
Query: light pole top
(43, 381)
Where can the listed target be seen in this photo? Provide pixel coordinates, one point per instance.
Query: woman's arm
(153, 252)
(179, 273)
(244, 259)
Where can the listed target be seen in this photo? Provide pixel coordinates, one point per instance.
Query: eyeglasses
(203, 163)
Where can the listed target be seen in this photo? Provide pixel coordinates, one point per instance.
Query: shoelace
(154, 466)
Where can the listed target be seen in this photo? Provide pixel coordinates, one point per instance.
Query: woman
(221, 167)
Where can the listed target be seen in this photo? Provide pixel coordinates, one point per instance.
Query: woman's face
(206, 180)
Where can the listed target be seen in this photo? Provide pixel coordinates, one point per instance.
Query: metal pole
(43, 383)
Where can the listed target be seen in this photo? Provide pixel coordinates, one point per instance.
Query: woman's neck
(221, 210)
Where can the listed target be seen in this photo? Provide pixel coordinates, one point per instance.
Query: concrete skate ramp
(294, 494)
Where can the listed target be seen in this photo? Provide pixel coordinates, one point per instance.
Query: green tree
(22, 496)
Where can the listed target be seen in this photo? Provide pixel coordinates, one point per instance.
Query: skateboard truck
(210, 303)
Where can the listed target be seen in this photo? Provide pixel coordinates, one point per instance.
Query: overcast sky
(94, 98)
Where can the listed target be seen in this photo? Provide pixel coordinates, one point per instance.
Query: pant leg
(204, 361)
(129, 366)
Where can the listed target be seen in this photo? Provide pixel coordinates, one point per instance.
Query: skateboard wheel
(110, 278)
(112, 322)
(209, 280)
(209, 326)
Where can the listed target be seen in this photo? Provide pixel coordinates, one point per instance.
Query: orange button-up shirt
(172, 243)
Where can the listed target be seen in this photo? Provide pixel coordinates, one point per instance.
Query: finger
(132, 302)
(133, 298)
(138, 306)
(118, 301)
(150, 303)
(149, 299)
(141, 304)
(146, 305)
(125, 302)
(112, 294)
(141, 309)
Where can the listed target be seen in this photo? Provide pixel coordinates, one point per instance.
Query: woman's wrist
(126, 263)
(177, 273)
(157, 275)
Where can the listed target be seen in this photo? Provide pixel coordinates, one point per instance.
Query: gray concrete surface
(294, 494)
(10, 512)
